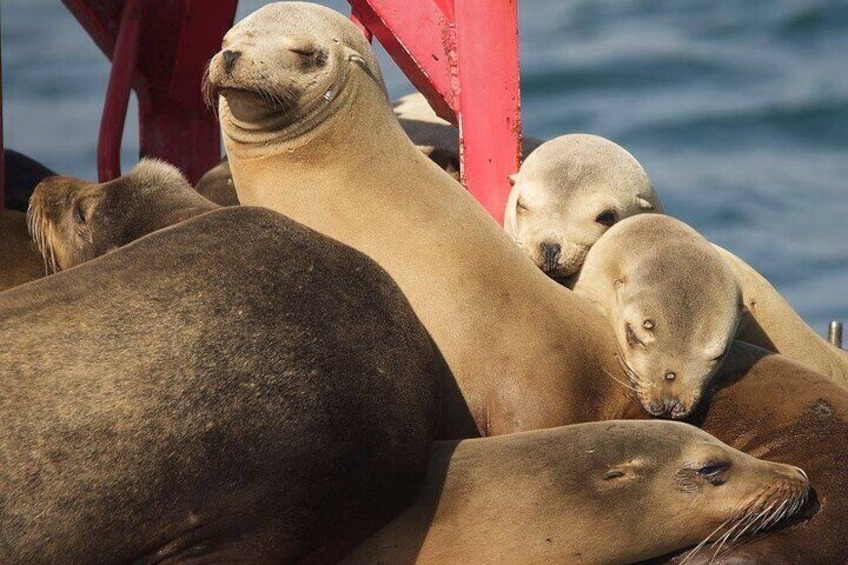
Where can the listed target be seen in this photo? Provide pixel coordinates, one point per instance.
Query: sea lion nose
(550, 254)
(230, 58)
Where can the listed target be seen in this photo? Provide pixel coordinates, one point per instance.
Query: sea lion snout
(550, 255)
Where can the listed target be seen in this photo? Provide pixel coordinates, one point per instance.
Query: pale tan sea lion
(435, 137)
(216, 185)
(602, 493)
(213, 392)
(302, 100)
(674, 305)
(74, 221)
(771, 323)
(567, 193)
(20, 261)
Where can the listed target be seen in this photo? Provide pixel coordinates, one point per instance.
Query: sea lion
(602, 493)
(309, 132)
(211, 392)
(74, 221)
(771, 323)
(20, 261)
(22, 175)
(674, 305)
(216, 185)
(567, 193)
(435, 137)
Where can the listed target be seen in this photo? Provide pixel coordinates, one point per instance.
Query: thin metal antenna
(834, 334)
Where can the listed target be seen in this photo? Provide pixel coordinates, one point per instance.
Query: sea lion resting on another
(74, 221)
(602, 493)
(525, 352)
(216, 185)
(20, 261)
(213, 391)
(567, 193)
(674, 305)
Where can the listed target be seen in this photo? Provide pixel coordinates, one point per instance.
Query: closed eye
(631, 336)
(79, 215)
(713, 470)
(606, 218)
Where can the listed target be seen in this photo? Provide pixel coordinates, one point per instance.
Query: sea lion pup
(22, 175)
(435, 137)
(74, 221)
(20, 261)
(674, 305)
(567, 193)
(211, 392)
(216, 185)
(601, 493)
(310, 133)
(771, 323)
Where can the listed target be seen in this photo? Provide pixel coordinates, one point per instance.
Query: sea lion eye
(719, 357)
(613, 474)
(631, 336)
(521, 205)
(711, 471)
(79, 215)
(606, 218)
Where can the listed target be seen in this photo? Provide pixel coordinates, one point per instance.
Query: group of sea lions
(200, 381)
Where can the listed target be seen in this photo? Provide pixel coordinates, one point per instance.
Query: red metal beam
(124, 59)
(421, 40)
(489, 99)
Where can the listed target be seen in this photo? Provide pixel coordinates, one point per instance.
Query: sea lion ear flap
(513, 178)
(644, 204)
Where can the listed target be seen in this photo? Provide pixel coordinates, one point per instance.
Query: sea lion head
(567, 193)
(702, 484)
(284, 69)
(675, 316)
(73, 221)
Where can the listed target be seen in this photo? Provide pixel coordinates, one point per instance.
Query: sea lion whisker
(691, 555)
(621, 382)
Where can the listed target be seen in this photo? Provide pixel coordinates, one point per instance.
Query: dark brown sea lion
(20, 261)
(603, 493)
(74, 221)
(213, 392)
(22, 174)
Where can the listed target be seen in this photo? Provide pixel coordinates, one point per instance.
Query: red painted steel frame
(463, 56)
(162, 50)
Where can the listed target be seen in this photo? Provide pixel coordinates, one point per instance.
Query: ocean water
(737, 110)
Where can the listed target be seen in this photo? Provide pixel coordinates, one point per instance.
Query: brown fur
(74, 221)
(20, 261)
(217, 185)
(212, 392)
(598, 493)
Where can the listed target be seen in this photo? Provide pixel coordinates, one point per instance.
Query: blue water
(737, 109)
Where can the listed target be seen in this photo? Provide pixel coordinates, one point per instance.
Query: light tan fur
(773, 324)
(603, 493)
(674, 305)
(567, 193)
(525, 352)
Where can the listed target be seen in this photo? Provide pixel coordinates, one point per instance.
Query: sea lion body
(210, 392)
(674, 305)
(771, 323)
(567, 193)
(74, 221)
(601, 493)
(525, 353)
(435, 137)
(216, 185)
(20, 261)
